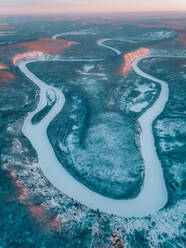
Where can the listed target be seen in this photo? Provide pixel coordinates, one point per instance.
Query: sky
(88, 6)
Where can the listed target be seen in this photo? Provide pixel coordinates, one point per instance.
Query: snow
(86, 71)
(143, 88)
(153, 196)
(51, 96)
(139, 106)
(88, 68)
(158, 35)
(80, 32)
(6, 33)
(154, 182)
(150, 36)
(102, 41)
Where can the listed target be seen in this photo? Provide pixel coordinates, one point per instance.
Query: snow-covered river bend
(153, 195)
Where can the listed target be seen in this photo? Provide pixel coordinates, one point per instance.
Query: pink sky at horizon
(88, 6)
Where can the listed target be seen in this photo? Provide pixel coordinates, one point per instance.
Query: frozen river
(153, 195)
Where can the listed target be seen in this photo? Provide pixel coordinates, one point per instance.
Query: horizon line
(94, 13)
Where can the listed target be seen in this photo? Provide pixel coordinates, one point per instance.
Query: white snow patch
(80, 32)
(138, 107)
(88, 68)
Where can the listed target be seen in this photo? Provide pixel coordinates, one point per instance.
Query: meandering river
(153, 195)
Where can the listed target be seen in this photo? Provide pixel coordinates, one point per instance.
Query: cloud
(40, 3)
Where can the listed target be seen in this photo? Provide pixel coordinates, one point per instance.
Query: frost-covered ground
(78, 225)
(40, 214)
(153, 36)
